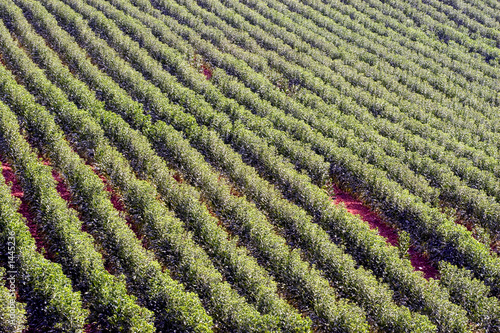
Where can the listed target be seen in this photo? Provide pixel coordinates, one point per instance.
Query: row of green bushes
(398, 72)
(471, 121)
(467, 115)
(376, 19)
(343, 75)
(211, 94)
(445, 31)
(340, 83)
(177, 89)
(480, 11)
(466, 123)
(155, 288)
(460, 18)
(201, 111)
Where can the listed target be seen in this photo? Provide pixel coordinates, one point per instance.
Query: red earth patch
(356, 207)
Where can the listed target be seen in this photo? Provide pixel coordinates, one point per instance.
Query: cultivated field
(250, 166)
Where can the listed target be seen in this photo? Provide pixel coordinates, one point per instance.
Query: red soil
(178, 178)
(61, 186)
(24, 208)
(117, 202)
(91, 328)
(356, 207)
(207, 72)
(114, 197)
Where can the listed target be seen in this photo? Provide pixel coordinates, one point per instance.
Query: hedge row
(444, 30)
(121, 20)
(336, 83)
(475, 202)
(249, 276)
(145, 7)
(153, 285)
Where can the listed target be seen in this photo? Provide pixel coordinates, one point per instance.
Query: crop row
(273, 247)
(479, 10)
(317, 63)
(47, 283)
(417, 129)
(482, 28)
(381, 79)
(395, 72)
(259, 88)
(12, 318)
(288, 39)
(13, 313)
(161, 130)
(158, 174)
(156, 288)
(174, 145)
(173, 96)
(413, 37)
(476, 203)
(443, 29)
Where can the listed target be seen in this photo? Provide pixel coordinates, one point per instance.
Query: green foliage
(72, 248)
(404, 243)
(12, 313)
(361, 91)
(472, 295)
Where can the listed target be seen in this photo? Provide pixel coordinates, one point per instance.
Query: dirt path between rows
(356, 207)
